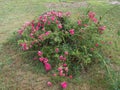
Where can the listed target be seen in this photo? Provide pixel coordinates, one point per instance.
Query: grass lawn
(18, 73)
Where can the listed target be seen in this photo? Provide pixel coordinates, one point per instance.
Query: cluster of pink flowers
(46, 19)
(44, 61)
(92, 17)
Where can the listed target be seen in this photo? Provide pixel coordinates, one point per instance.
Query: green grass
(13, 13)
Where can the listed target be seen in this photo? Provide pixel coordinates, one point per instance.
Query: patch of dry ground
(66, 5)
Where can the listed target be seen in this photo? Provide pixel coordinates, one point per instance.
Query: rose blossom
(20, 32)
(61, 73)
(66, 52)
(47, 33)
(96, 44)
(40, 53)
(60, 26)
(70, 76)
(79, 22)
(61, 57)
(64, 65)
(66, 69)
(102, 28)
(47, 67)
(64, 85)
(41, 59)
(49, 83)
(57, 50)
(71, 31)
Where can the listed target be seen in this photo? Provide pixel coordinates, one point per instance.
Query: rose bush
(61, 44)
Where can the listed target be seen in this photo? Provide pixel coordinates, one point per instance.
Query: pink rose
(64, 85)
(60, 69)
(41, 59)
(20, 32)
(96, 44)
(102, 28)
(66, 52)
(71, 31)
(45, 60)
(61, 57)
(47, 33)
(53, 18)
(61, 73)
(64, 58)
(40, 53)
(79, 22)
(70, 76)
(49, 83)
(94, 20)
(59, 14)
(65, 65)
(24, 46)
(47, 66)
(31, 35)
(57, 50)
(91, 15)
(60, 26)
(66, 69)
